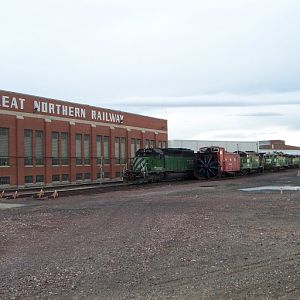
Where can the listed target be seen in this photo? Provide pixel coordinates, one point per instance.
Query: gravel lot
(191, 240)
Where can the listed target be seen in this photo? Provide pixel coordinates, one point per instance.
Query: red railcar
(215, 161)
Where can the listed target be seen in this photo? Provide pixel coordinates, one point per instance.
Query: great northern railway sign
(59, 108)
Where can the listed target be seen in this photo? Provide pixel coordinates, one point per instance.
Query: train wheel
(243, 172)
(162, 177)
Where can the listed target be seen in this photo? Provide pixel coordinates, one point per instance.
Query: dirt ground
(191, 240)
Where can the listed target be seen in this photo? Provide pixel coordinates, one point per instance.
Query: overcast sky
(218, 70)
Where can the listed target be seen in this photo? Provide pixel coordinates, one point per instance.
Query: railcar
(293, 161)
(296, 161)
(289, 161)
(275, 161)
(155, 164)
(214, 161)
(250, 162)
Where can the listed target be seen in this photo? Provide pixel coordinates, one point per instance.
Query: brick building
(278, 145)
(45, 141)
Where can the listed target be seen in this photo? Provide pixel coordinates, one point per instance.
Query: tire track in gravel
(263, 265)
(268, 263)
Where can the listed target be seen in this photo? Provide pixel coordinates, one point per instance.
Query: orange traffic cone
(40, 194)
(55, 194)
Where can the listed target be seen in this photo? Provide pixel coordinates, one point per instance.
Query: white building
(229, 146)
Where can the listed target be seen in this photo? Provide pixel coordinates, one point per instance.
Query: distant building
(229, 146)
(277, 146)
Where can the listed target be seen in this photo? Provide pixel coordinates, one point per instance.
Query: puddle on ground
(10, 205)
(272, 188)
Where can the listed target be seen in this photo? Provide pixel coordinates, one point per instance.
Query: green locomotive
(275, 161)
(251, 162)
(155, 164)
(296, 161)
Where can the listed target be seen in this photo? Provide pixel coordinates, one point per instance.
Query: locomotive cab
(145, 161)
(250, 162)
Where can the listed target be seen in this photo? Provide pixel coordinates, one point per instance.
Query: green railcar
(152, 165)
(296, 161)
(275, 161)
(250, 162)
(289, 161)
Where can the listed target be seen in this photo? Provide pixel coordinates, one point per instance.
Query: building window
(120, 150)
(106, 149)
(87, 176)
(39, 147)
(106, 174)
(55, 178)
(28, 179)
(28, 161)
(55, 159)
(78, 149)
(99, 149)
(123, 150)
(65, 177)
(135, 146)
(39, 178)
(78, 176)
(99, 175)
(152, 144)
(162, 144)
(132, 148)
(86, 144)
(147, 144)
(4, 158)
(118, 174)
(4, 180)
(117, 150)
(64, 148)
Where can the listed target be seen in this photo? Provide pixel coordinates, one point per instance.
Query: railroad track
(68, 190)
(54, 191)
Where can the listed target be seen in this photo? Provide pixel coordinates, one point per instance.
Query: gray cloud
(214, 100)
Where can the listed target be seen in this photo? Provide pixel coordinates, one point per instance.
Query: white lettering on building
(58, 106)
(71, 111)
(60, 109)
(77, 112)
(14, 102)
(64, 110)
(82, 113)
(108, 117)
(44, 107)
(51, 108)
